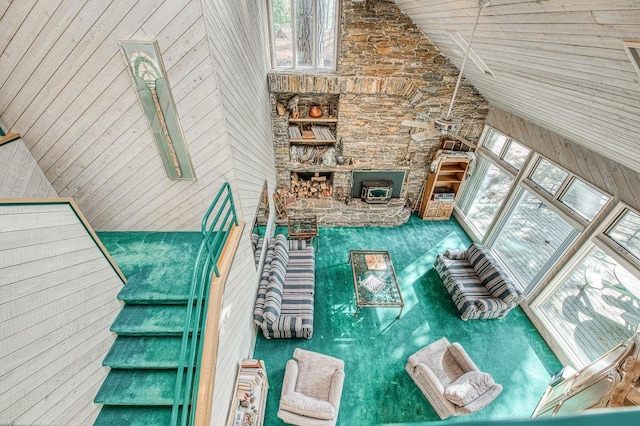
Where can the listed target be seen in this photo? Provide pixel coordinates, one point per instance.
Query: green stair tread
(133, 416)
(138, 387)
(160, 320)
(144, 352)
(165, 291)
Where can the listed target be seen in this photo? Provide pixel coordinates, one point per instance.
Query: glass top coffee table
(375, 281)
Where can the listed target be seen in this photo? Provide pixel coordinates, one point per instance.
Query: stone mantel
(287, 82)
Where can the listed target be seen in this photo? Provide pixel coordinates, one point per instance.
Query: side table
(304, 228)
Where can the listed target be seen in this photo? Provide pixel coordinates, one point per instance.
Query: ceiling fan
(445, 126)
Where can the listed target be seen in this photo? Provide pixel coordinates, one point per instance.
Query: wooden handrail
(9, 137)
(212, 328)
(78, 213)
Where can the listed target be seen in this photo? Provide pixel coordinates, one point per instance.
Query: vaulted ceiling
(560, 64)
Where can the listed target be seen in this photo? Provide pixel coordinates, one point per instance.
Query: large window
(531, 238)
(303, 34)
(494, 174)
(484, 195)
(531, 212)
(597, 305)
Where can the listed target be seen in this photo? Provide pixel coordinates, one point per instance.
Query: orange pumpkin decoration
(315, 112)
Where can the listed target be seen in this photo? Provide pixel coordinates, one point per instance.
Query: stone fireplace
(389, 76)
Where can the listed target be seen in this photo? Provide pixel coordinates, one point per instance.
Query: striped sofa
(478, 285)
(284, 304)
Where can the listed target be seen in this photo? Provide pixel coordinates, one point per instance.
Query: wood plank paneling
(593, 167)
(72, 98)
(560, 65)
(57, 302)
(238, 41)
(20, 175)
(74, 103)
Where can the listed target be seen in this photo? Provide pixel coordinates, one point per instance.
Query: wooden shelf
(448, 176)
(313, 120)
(248, 404)
(312, 141)
(452, 168)
(447, 179)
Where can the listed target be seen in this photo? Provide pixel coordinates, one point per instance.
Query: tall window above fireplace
(303, 34)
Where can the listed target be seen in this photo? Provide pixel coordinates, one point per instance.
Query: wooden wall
(608, 175)
(239, 46)
(20, 176)
(57, 302)
(560, 64)
(65, 88)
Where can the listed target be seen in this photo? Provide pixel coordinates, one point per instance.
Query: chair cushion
(282, 248)
(278, 271)
(273, 302)
(493, 277)
(298, 403)
(468, 387)
(315, 373)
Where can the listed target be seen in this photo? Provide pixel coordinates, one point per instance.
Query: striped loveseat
(479, 287)
(284, 304)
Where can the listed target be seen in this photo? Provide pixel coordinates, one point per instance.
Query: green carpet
(144, 358)
(375, 345)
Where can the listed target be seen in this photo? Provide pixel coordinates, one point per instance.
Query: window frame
(597, 239)
(294, 54)
(520, 191)
(555, 200)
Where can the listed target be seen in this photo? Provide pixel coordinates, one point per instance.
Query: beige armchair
(450, 380)
(311, 389)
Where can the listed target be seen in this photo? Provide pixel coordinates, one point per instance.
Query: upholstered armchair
(312, 389)
(450, 380)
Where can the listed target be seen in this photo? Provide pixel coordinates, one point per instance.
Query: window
(486, 191)
(569, 190)
(548, 176)
(594, 309)
(625, 233)
(516, 155)
(584, 199)
(494, 141)
(303, 34)
(492, 179)
(532, 238)
(594, 306)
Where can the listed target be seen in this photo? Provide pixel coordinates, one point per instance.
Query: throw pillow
(307, 406)
(468, 387)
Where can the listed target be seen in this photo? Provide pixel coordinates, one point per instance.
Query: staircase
(158, 348)
(145, 356)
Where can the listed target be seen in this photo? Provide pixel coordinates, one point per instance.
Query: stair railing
(215, 231)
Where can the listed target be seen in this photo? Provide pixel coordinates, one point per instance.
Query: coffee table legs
(398, 317)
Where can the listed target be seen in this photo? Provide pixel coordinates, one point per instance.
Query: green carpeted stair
(144, 358)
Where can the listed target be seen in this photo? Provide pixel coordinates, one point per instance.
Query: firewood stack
(316, 187)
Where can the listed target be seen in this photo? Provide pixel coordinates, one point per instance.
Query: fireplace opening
(312, 184)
